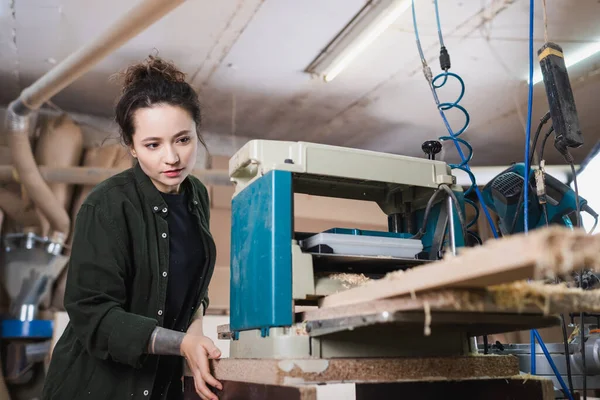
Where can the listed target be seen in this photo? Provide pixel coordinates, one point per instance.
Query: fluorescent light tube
(571, 59)
(367, 26)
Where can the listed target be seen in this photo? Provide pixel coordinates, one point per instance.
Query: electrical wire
(461, 216)
(421, 232)
(442, 107)
(545, 210)
(541, 124)
(567, 352)
(582, 339)
(578, 205)
(442, 188)
(578, 215)
(544, 141)
(439, 28)
(595, 224)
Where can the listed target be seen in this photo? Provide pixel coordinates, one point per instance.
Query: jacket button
(155, 208)
(159, 312)
(165, 274)
(195, 202)
(146, 393)
(164, 210)
(164, 235)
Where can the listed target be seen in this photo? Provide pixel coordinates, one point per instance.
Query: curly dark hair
(154, 81)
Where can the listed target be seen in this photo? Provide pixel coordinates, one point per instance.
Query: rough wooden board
(515, 387)
(516, 297)
(543, 253)
(234, 390)
(292, 372)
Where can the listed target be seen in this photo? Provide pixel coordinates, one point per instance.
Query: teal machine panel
(261, 255)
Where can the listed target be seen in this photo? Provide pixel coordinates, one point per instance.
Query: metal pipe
(95, 175)
(17, 116)
(26, 166)
(14, 208)
(451, 231)
(144, 14)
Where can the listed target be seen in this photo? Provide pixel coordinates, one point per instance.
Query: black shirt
(186, 261)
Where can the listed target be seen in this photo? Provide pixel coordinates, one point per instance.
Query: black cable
(569, 158)
(520, 203)
(421, 232)
(545, 208)
(595, 224)
(485, 344)
(543, 122)
(544, 141)
(461, 216)
(578, 215)
(582, 335)
(567, 353)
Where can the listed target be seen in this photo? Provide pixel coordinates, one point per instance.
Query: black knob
(431, 148)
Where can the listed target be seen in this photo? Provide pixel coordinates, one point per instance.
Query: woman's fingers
(205, 370)
(201, 388)
(208, 378)
(212, 350)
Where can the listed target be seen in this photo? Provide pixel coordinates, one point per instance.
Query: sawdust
(350, 280)
(518, 295)
(562, 250)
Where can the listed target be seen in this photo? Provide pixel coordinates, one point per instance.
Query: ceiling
(246, 59)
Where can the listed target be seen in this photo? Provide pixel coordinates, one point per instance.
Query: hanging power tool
(504, 195)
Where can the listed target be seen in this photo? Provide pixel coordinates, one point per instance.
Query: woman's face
(165, 144)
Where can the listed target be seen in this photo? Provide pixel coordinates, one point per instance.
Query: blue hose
(552, 365)
(528, 133)
(527, 166)
(464, 165)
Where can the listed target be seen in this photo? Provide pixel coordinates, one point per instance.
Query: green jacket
(116, 290)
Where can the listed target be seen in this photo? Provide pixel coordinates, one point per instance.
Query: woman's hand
(197, 350)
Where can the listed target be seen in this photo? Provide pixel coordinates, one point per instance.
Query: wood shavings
(543, 296)
(427, 309)
(350, 280)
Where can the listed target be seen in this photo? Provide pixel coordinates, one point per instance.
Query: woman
(142, 258)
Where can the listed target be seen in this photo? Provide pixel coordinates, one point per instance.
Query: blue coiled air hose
(454, 136)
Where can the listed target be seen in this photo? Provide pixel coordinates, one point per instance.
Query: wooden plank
(515, 298)
(516, 387)
(233, 390)
(543, 253)
(296, 371)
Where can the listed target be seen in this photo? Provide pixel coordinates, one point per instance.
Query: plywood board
(514, 298)
(297, 371)
(233, 390)
(542, 253)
